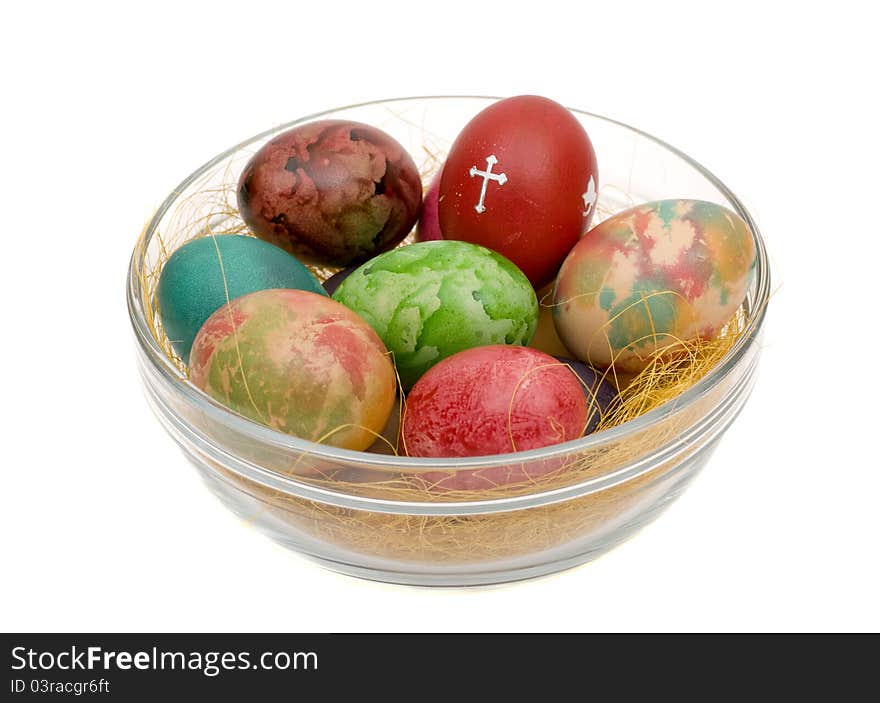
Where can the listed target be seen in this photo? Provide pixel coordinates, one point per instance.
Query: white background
(107, 107)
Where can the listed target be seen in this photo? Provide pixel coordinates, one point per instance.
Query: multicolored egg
(643, 281)
(521, 179)
(300, 363)
(208, 272)
(430, 300)
(331, 192)
(492, 400)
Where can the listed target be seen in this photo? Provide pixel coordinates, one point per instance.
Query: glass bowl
(362, 513)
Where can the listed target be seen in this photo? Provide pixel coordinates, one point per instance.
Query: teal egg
(430, 300)
(206, 273)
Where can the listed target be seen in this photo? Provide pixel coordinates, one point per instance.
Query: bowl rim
(267, 435)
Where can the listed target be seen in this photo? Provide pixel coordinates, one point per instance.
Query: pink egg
(428, 228)
(492, 400)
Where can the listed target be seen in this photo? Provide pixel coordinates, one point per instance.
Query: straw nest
(208, 208)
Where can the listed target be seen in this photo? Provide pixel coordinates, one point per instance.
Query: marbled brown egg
(331, 192)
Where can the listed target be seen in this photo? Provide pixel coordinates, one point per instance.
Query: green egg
(204, 274)
(430, 300)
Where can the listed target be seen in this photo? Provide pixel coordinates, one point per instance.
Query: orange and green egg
(300, 363)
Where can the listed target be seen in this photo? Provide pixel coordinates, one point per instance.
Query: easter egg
(428, 228)
(599, 392)
(546, 338)
(298, 362)
(331, 192)
(492, 400)
(644, 281)
(332, 283)
(208, 272)
(521, 179)
(430, 300)
(387, 442)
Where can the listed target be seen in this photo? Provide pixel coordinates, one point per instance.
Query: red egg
(493, 400)
(521, 179)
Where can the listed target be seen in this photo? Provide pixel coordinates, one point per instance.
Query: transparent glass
(347, 510)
